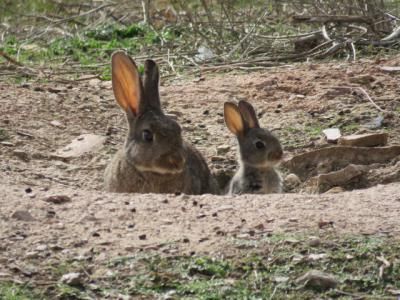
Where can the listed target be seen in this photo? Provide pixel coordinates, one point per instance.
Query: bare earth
(38, 119)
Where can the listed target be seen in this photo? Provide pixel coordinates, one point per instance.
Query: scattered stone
(5, 275)
(375, 123)
(362, 79)
(188, 128)
(291, 240)
(57, 124)
(389, 69)
(314, 242)
(332, 135)
(318, 280)
(55, 90)
(8, 144)
(83, 144)
(364, 140)
(22, 155)
(25, 134)
(41, 248)
(50, 214)
(185, 197)
(23, 215)
(281, 279)
(292, 180)
(223, 149)
(335, 190)
(38, 89)
(95, 82)
(217, 158)
(31, 255)
(176, 113)
(172, 116)
(394, 292)
(142, 237)
(58, 199)
(73, 279)
(323, 224)
(316, 257)
(27, 270)
(56, 247)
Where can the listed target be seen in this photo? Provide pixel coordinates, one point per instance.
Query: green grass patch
(13, 291)
(3, 135)
(91, 49)
(255, 269)
(354, 261)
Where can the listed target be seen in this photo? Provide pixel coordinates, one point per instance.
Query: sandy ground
(39, 119)
(115, 224)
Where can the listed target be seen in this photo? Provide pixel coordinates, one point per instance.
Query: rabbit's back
(198, 174)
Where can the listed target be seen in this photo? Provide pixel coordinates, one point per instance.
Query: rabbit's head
(257, 146)
(154, 142)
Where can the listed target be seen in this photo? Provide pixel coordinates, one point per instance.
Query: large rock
(23, 215)
(332, 134)
(83, 144)
(364, 140)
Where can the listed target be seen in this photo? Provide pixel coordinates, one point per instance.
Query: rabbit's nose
(275, 155)
(176, 159)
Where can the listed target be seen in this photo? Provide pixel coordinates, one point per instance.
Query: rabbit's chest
(260, 183)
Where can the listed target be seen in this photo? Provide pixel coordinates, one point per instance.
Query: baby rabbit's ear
(248, 114)
(233, 118)
(126, 82)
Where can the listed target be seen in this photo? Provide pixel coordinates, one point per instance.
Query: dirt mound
(119, 224)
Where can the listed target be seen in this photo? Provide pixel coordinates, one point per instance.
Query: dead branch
(146, 11)
(288, 37)
(394, 35)
(352, 88)
(85, 13)
(385, 265)
(325, 33)
(248, 34)
(10, 59)
(333, 19)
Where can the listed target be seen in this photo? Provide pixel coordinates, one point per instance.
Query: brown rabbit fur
(259, 152)
(154, 158)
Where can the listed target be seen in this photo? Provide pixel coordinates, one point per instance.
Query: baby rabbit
(154, 158)
(259, 152)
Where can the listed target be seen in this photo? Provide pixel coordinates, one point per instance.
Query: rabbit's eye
(147, 135)
(260, 145)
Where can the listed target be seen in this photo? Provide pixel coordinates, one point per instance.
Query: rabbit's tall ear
(126, 82)
(233, 119)
(150, 85)
(248, 114)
